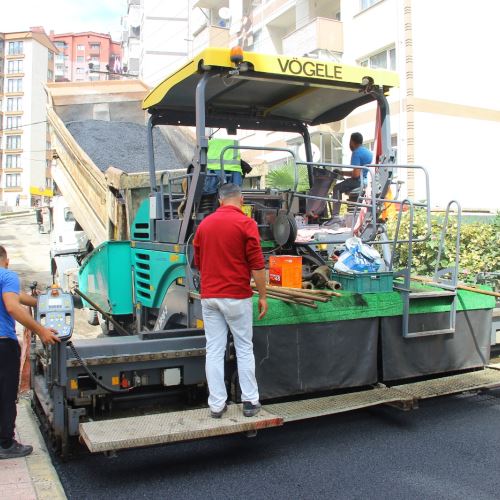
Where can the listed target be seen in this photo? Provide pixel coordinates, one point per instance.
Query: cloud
(64, 16)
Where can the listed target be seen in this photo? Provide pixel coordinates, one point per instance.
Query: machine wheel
(92, 317)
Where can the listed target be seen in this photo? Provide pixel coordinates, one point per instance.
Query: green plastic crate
(365, 282)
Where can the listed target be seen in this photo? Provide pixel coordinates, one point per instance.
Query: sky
(64, 16)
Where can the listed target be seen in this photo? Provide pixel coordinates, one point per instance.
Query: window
(48, 182)
(12, 180)
(50, 75)
(13, 122)
(14, 103)
(15, 85)
(15, 66)
(12, 161)
(60, 45)
(80, 47)
(80, 59)
(95, 47)
(386, 59)
(13, 142)
(15, 48)
(80, 71)
(68, 215)
(368, 3)
(51, 55)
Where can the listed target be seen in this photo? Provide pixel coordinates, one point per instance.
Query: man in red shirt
(227, 253)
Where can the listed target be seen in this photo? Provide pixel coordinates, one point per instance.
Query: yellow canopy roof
(267, 91)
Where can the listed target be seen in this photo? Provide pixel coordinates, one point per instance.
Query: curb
(44, 477)
(13, 215)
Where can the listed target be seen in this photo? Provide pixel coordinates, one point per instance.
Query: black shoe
(218, 414)
(250, 410)
(16, 450)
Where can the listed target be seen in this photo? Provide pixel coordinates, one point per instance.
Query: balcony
(210, 36)
(317, 35)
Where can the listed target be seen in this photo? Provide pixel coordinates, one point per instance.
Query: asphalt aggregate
(122, 145)
(447, 449)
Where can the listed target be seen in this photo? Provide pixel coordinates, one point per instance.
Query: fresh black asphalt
(122, 145)
(447, 449)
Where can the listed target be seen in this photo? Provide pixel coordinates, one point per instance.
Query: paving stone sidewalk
(32, 477)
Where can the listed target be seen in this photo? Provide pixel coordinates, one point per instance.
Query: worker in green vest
(231, 164)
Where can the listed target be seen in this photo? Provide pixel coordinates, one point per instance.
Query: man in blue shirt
(360, 157)
(12, 310)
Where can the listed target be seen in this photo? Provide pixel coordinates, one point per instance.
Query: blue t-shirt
(9, 282)
(362, 156)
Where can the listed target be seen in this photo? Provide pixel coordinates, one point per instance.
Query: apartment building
(131, 37)
(156, 37)
(26, 63)
(86, 56)
(443, 116)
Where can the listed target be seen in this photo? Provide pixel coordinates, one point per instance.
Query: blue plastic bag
(359, 258)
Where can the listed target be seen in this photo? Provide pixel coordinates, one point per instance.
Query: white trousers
(218, 314)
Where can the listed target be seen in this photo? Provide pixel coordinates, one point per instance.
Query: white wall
(455, 51)
(164, 37)
(456, 65)
(369, 31)
(461, 164)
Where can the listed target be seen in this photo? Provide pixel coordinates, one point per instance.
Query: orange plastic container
(285, 270)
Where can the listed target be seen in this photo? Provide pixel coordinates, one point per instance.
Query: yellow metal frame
(301, 69)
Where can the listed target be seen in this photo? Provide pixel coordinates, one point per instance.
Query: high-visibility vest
(232, 157)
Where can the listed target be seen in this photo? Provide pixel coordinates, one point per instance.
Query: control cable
(92, 376)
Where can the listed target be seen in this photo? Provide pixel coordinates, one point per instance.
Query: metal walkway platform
(161, 428)
(483, 379)
(329, 405)
(187, 425)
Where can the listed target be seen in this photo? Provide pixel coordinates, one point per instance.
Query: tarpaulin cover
(467, 347)
(369, 305)
(307, 358)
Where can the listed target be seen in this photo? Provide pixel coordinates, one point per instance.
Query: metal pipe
(151, 156)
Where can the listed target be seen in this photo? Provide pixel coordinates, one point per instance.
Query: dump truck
(382, 340)
(100, 179)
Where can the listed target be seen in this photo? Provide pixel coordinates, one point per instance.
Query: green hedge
(479, 245)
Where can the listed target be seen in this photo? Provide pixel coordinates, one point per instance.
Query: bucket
(285, 270)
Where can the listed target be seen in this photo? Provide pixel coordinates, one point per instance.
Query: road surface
(448, 449)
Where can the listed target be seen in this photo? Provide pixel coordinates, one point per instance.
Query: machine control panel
(55, 310)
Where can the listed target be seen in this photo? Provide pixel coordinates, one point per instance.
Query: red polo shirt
(226, 250)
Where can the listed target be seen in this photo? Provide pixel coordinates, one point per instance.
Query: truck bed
(98, 134)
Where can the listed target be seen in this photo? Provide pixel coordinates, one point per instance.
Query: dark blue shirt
(9, 282)
(361, 156)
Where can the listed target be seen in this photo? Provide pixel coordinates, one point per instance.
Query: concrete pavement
(32, 477)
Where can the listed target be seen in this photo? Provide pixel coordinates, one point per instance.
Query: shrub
(479, 245)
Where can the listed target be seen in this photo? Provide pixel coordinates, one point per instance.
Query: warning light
(236, 54)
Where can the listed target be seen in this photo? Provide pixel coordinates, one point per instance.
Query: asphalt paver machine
(135, 387)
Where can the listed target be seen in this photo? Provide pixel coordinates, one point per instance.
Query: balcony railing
(210, 36)
(319, 34)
